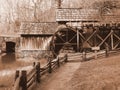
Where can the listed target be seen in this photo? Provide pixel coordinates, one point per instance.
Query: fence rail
(25, 79)
(101, 54)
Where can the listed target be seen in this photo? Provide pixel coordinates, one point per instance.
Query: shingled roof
(38, 27)
(77, 14)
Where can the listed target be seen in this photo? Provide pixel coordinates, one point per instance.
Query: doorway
(10, 47)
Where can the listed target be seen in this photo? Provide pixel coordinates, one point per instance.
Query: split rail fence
(24, 79)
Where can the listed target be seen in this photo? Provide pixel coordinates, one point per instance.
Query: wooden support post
(95, 54)
(84, 54)
(23, 80)
(106, 51)
(66, 58)
(17, 74)
(103, 41)
(95, 39)
(38, 72)
(112, 45)
(58, 61)
(78, 43)
(95, 44)
(50, 66)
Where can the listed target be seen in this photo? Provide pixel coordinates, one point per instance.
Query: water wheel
(64, 40)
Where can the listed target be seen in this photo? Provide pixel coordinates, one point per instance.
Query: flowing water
(35, 43)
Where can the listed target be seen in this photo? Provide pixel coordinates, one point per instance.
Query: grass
(103, 74)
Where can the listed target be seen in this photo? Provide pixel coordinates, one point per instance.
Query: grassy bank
(103, 74)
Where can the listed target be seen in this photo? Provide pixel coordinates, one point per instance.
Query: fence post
(23, 80)
(50, 66)
(95, 52)
(106, 51)
(33, 64)
(38, 72)
(58, 61)
(66, 58)
(17, 74)
(84, 55)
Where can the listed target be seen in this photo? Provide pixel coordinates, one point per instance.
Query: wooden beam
(67, 35)
(102, 39)
(105, 39)
(91, 35)
(65, 44)
(116, 36)
(81, 35)
(116, 45)
(84, 39)
(61, 38)
(78, 41)
(112, 42)
(72, 38)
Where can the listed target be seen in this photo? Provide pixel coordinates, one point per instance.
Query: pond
(9, 63)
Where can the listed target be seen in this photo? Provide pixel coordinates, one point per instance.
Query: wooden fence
(24, 79)
(97, 55)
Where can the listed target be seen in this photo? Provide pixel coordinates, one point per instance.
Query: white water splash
(35, 43)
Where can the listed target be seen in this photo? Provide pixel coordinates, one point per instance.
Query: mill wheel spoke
(67, 35)
(72, 38)
(60, 38)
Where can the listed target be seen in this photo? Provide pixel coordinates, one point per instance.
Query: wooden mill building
(75, 30)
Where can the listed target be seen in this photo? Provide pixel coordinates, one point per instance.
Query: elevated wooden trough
(86, 28)
(76, 14)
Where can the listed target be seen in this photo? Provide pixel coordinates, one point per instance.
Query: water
(11, 62)
(35, 43)
(31, 47)
(8, 66)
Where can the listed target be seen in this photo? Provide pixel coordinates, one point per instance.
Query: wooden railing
(103, 54)
(24, 79)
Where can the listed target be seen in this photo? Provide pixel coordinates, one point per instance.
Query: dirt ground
(100, 74)
(103, 74)
(59, 78)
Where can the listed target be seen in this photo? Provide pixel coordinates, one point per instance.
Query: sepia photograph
(59, 44)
